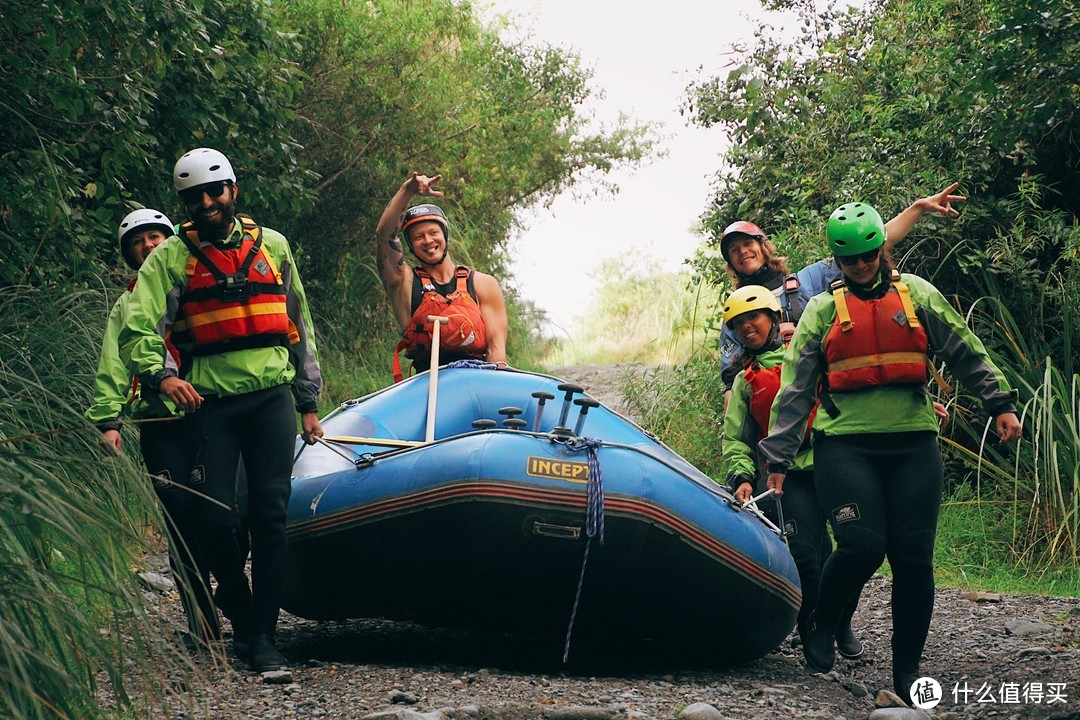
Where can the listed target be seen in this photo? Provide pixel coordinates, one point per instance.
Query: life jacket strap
(794, 303)
(843, 316)
(905, 299)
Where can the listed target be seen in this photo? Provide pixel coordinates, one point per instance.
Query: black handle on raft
(584, 403)
(569, 389)
(541, 397)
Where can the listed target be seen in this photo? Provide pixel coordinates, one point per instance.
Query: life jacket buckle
(236, 286)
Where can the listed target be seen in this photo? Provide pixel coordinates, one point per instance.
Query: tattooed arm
(389, 254)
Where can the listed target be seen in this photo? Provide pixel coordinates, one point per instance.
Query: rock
(982, 597)
(700, 711)
(855, 688)
(887, 699)
(405, 714)
(1021, 627)
(583, 713)
(401, 697)
(894, 713)
(1034, 651)
(156, 582)
(277, 677)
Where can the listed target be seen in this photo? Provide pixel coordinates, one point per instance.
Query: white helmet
(200, 166)
(144, 219)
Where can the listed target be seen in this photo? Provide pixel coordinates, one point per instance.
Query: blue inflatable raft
(561, 508)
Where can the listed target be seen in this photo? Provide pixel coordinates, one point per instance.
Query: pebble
(1022, 627)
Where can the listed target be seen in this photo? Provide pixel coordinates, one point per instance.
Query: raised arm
(389, 253)
(941, 203)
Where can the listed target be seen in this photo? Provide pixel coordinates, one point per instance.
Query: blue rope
(594, 519)
(471, 363)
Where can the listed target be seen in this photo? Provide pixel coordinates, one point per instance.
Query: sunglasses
(213, 189)
(867, 257)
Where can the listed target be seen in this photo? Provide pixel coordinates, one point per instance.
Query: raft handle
(562, 532)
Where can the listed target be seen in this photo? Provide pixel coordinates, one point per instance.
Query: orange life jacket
(465, 334)
(234, 298)
(875, 342)
(764, 384)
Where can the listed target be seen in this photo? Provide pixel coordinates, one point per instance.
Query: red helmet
(739, 227)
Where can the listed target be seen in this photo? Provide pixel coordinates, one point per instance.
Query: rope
(594, 519)
(472, 363)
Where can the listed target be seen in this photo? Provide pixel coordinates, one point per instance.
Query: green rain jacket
(741, 431)
(154, 303)
(112, 398)
(877, 409)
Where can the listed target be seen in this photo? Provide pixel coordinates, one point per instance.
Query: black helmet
(421, 213)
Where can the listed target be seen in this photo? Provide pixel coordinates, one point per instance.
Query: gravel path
(1015, 655)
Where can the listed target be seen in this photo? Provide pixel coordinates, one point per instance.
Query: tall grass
(76, 638)
(1028, 316)
(639, 313)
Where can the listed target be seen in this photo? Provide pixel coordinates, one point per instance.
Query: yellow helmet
(747, 298)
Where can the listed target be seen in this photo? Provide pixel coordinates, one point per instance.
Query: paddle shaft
(382, 442)
(433, 377)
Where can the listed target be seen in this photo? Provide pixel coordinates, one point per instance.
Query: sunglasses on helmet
(867, 257)
(213, 189)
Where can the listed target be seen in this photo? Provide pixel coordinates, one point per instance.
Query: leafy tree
(887, 103)
(101, 98)
(398, 86)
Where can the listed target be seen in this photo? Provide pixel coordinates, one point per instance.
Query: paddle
(433, 381)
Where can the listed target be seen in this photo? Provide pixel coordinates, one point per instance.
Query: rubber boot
(902, 682)
(847, 644)
(264, 654)
(819, 647)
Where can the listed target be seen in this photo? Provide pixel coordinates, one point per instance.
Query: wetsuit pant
(882, 494)
(166, 458)
(260, 427)
(808, 540)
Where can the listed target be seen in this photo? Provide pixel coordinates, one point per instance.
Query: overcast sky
(643, 61)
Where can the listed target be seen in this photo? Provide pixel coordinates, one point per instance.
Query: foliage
(394, 87)
(72, 623)
(682, 405)
(639, 313)
(974, 550)
(888, 103)
(100, 99)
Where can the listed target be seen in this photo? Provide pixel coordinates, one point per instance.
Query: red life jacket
(764, 384)
(234, 298)
(465, 334)
(875, 342)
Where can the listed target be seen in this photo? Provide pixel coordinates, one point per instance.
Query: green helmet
(855, 228)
